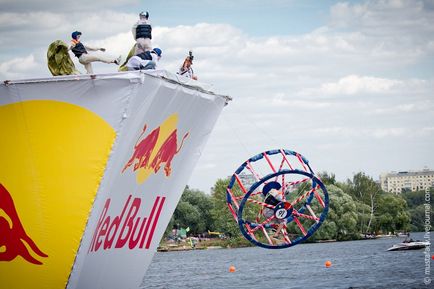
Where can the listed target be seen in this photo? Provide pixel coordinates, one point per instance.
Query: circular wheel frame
(302, 208)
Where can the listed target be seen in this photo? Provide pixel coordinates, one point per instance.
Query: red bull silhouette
(14, 241)
(156, 149)
(167, 152)
(143, 149)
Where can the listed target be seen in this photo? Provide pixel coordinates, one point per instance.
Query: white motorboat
(415, 245)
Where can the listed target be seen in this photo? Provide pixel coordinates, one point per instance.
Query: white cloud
(117, 44)
(290, 103)
(207, 166)
(41, 28)
(36, 20)
(199, 35)
(367, 134)
(386, 132)
(396, 29)
(425, 131)
(222, 49)
(287, 89)
(369, 85)
(64, 6)
(385, 16)
(420, 107)
(362, 133)
(354, 84)
(18, 67)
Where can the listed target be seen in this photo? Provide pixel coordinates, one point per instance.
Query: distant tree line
(416, 207)
(357, 207)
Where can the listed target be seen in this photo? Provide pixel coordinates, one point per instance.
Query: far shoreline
(235, 243)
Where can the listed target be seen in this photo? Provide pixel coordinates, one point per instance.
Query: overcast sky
(350, 85)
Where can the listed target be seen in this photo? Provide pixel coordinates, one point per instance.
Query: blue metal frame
(309, 200)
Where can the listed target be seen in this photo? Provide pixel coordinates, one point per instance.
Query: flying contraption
(276, 199)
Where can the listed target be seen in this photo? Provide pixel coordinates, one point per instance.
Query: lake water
(355, 264)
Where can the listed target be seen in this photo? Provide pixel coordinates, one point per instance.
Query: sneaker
(117, 61)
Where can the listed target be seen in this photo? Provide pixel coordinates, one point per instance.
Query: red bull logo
(131, 228)
(155, 149)
(14, 241)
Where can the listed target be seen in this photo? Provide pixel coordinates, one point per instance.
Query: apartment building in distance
(247, 179)
(398, 182)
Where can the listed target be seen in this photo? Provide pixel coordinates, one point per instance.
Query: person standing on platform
(142, 33)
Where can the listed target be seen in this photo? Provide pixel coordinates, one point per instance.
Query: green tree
(193, 211)
(223, 219)
(364, 216)
(365, 190)
(327, 178)
(169, 228)
(187, 215)
(416, 208)
(341, 222)
(392, 214)
(204, 205)
(417, 216)
(415, 199)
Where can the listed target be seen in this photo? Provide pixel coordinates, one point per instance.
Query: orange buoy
(328, 263)
(232, 268)
(432, 257)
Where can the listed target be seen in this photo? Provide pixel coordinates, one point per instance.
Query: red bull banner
(91, 170)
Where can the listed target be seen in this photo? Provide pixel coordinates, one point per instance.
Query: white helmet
(144, 14)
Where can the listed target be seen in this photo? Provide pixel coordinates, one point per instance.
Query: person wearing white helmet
(142, 33)
(80, 51)
(145, 60)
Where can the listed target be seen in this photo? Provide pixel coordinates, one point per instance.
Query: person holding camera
(186, 69)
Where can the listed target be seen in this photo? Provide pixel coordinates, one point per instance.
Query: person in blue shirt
(81, 52)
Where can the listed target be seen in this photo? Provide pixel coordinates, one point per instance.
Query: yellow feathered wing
(59, 61)
(123, 67)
